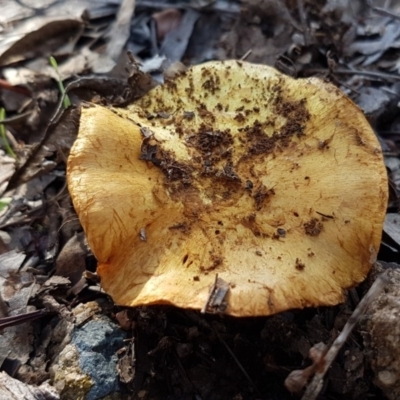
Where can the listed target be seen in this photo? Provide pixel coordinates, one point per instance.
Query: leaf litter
(47, 272)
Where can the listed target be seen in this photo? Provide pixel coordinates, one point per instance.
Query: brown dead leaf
(17, 288)
(121, 29)
(176, 40)
(264, 27)
(71, 260)
(43, 41)
(166, 21)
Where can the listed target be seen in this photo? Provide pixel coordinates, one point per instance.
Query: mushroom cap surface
(276, 185)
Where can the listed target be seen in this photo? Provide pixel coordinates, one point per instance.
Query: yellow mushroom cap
(276, 185)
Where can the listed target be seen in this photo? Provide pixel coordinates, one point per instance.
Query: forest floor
(47, 271)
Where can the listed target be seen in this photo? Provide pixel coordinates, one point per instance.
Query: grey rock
(97, 343)
(86, 367)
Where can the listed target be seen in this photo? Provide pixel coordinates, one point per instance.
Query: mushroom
(230, 177)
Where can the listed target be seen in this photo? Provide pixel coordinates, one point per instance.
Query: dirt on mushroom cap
(277, 185)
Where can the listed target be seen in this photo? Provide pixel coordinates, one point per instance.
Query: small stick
(368, 74)
(385, 13)
(22, 318)
(246, 55)
(316, 384)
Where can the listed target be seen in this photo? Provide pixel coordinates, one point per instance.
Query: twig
(17, 118)
(17, 89)
(246, 55)
(22, 318)
(340, 83)
(229, 8)
(316, 384)
(341, 71)
(385, 13)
